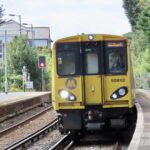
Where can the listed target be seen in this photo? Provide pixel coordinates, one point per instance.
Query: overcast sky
(69, 17)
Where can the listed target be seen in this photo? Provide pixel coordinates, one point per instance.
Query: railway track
(10, 129)
(67, 142)
(27, 141)
(117, 146)
(64, 143)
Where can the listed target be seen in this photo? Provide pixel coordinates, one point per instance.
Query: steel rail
(117, 146)
(5, 131)
(64, 143)
(24, 143)
(29, 139)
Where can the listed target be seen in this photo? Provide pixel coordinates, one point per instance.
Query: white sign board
(29, 84)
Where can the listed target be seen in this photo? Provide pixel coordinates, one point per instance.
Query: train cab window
(91, 63)
(67, 62)
(91, 52)
(116, 58)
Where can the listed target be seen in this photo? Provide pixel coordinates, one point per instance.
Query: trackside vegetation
(20, 54)
(138, 13)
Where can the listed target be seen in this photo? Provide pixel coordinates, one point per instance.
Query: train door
(92, 73)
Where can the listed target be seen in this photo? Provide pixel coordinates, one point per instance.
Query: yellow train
(92, 82)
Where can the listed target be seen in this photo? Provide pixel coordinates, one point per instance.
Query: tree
(146, 61)
(19, 55)
(1, 64)
(143, 21)
(138, 13)
(132, 9)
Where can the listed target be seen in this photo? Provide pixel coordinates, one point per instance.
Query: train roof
(85, 37)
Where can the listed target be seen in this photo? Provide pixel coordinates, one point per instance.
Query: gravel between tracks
(47, 142)
(27, 129)
(12, 121)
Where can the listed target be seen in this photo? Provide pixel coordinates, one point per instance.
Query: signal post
(42, 65)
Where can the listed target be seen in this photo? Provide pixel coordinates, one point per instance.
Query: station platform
(9, 98)
(145, 104)
(12, 104)
(141, 137)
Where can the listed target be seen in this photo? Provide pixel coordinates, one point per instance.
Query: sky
(70, 17)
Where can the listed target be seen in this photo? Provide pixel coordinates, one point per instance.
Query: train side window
(91, 63)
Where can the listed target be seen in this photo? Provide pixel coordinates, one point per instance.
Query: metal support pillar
(5, 62)
(42, 79)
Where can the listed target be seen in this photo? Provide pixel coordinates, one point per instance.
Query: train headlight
(122, 91)
(64, 94)
(119, 93)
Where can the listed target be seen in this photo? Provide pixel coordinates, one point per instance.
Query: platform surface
(17, 96)
(145, 105)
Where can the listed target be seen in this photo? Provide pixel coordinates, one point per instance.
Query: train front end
(92, 82)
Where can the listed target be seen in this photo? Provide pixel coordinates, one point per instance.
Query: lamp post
(5, 62)
(13, 15)
(31, 32)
